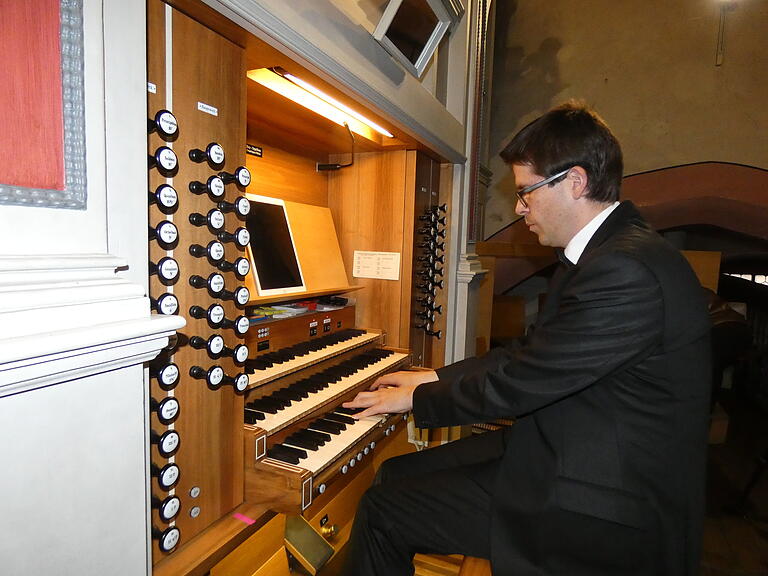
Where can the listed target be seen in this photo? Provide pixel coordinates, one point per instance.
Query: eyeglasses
(523, 192)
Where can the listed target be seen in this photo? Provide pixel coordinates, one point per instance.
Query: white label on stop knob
(169, 268)
(242, 325)
(167, 123)
(217, 375)
(168, 409)
(242, 204)
(170, 508)
(242, 295)
(216, 344)
(241, 353)
(168, 196)
(243, 176)
(217, 186)
(242, 266)
(241, 382)
(216, 251)
(169, 442)
(217, 314)
(216, 153)
(168, 232)
(167, 159)
(216, 283)
(216, 219)
(243, 237)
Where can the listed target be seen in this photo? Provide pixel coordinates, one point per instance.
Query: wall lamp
(279, 80)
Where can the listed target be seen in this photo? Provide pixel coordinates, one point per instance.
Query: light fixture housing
(306, 95)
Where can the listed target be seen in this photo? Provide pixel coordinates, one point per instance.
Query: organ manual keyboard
(300, 443)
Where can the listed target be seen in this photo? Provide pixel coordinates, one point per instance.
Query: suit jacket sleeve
(610, 316)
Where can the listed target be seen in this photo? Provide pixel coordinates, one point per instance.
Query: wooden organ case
(246, 425)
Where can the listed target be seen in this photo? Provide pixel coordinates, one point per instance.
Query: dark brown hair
(571, 135)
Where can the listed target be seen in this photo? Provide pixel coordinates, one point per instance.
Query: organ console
(247, 422)
(295, 396)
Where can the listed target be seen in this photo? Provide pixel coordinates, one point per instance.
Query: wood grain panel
(281, 174)
(255, 551)
(368, 205)
(207, 69)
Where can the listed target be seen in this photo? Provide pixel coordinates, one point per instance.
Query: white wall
(75, 330)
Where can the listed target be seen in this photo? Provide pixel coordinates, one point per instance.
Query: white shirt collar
(578, 243)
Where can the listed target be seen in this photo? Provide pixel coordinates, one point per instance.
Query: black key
(287, 394)
(306, 386)
(294, 393)
(327, 426)
(349, 411)
(253, 416)
(291, 450)
(264, 405)
(278, 399)
(339, 418)
(294, 440)
(320, 437)
(278, 453)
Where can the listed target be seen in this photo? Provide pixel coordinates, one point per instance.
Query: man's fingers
(362, 400)
(372, 411)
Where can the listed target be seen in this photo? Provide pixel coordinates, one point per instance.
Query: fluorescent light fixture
(304, 94)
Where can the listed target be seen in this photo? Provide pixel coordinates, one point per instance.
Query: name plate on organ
(377, 265)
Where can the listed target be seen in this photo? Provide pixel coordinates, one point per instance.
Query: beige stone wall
(647, 67)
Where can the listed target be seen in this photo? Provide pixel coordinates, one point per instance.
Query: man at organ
(603, 469)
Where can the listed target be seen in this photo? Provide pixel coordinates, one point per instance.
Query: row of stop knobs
(430, 267)
(166, 232)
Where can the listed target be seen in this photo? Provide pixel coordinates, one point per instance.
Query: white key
(300, 362)
(298, 409)
(319, 459)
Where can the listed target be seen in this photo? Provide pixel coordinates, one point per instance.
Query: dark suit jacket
(610, 396)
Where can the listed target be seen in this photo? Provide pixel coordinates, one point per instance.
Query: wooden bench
(471, 566)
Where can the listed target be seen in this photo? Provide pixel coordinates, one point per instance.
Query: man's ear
(578, 182)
